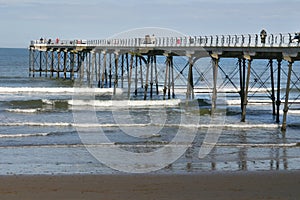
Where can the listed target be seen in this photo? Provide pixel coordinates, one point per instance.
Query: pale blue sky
(25, 20)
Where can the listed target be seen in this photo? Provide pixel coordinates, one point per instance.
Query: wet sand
(233, 185)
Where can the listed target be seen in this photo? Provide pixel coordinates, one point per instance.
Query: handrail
(247, 40)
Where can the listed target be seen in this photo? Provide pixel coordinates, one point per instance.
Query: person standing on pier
(263, 36)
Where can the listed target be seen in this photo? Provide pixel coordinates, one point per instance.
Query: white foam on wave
(125, 103)
(259, 102)
(99, 145)
(23, 135)
(47, 101)
(24, 110)
(182, 90)
(293, 112)
(58, 90)
(100, 125)
(265, 145)
(45, 124)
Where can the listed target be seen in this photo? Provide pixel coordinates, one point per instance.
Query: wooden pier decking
(114, 62)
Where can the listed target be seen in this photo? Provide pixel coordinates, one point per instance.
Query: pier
(132, 63)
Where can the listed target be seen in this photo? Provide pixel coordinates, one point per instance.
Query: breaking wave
(24, 110)
(24, 135)
(124, 103)
(101, 125)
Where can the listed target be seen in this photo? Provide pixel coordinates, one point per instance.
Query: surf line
(258, 145)
(99, 125)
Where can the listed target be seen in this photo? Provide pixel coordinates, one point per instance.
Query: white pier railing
(248, 40)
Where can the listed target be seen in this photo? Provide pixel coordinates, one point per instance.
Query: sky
(24, 20)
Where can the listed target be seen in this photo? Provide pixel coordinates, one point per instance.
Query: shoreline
(208, 185)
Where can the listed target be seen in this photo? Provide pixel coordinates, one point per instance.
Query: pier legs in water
(169, 79)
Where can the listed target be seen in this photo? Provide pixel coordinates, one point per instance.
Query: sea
(56, 126)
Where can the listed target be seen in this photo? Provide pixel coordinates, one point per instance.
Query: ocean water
(51, 126)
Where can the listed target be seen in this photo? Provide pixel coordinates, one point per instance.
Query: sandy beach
(233, 185)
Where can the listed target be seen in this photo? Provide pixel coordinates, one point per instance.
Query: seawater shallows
(38, 133)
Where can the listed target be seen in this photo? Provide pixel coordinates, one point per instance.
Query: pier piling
(246, 90)
(286, 103)
(278, 101)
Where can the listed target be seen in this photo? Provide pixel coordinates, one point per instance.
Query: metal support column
(110, 71)
(31, 61)
(190, 84)
(72, 65)
(273, 89)
(173, 80)
(93, 68)
(156, 75)
(52, 64)
(169, 77)
(46, 63)
(41, 62)
(88, 69)
(65, 65)
(103, 70)
(130, 75)
(82, 57)
(151, 76)
(99, 70)
(116, 72)
(58, 63)
(127, 68)
(242, 69)
(246, 91)
(147, 78)
(122, 71)
(278, 101)
(286, 103)
(215, 77)
(141, 73)
(166, 78)
(34, 63)
(136, 76)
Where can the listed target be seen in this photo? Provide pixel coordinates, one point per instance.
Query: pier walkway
(123, 62)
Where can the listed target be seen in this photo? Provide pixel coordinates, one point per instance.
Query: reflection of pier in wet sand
(133, 63)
